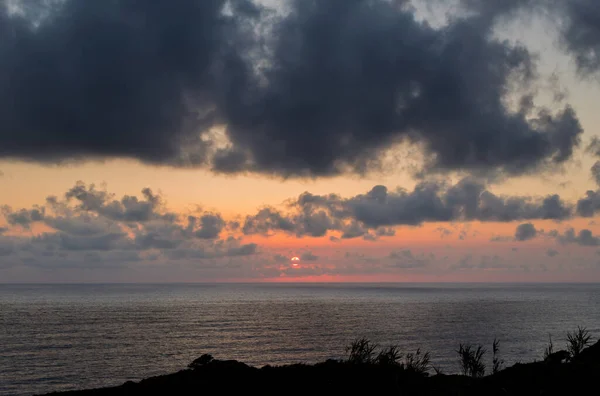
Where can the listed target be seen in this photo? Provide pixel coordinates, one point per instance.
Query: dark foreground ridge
(579, 375)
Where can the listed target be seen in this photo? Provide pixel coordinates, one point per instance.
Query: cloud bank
(375, 213)
(88, 226)
(233, 86)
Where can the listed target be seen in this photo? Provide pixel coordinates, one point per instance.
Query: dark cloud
(78, 224)
(323, 90)
(589, 205)
(353, 230)
(159, 236)
(279, 258)
(581, 34)
(405, 259)
(92, 225)
(585, 237)
(596, 172)
(116, 79)
(22, 217)
(525, 232)
(211, 226)
(308, 256)
(437, 202)
(381, 209)
(267, 220)
(242, 250)
(64, 241)
(127, 209)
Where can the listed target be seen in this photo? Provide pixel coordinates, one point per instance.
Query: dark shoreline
(579, 376)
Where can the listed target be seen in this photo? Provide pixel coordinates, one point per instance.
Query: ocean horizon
(77, 336)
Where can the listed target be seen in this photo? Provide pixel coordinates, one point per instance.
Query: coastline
(577, 375)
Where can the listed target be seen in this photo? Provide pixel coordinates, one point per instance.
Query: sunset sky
(376, 140)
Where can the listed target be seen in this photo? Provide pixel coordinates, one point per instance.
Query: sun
(295, 258)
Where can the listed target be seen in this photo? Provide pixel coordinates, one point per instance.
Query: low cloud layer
(232, 86)
(375, 213)
(89, 227)
(528, 231)
(584, 237)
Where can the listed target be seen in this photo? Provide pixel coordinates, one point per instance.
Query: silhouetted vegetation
(201, 361)
(497, 363)
(577, 341)
(471, 360)
(417, 362)
(370, 370)
(549, 349)
(361, 351)
(390, 356)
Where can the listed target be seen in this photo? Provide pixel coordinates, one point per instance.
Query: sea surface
(64, 337)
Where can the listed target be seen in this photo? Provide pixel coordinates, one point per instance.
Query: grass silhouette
(470, 360)
(577, 341)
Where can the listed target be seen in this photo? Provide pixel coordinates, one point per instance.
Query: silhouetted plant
(577, 341)
(471, 360)
(549, 349)
(417, 362)
(496, 361)
(437, 370)
(389, 356)
(201, 361)
(361, 351)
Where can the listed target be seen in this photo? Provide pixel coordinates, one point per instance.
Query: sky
(374, 140)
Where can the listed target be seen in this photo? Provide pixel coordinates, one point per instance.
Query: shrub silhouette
(577, 341)
(417, 362)
(201, 361)
(361, 351)
(389, 356)
(471, 360)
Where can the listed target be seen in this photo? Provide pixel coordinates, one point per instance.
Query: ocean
(65, 337)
